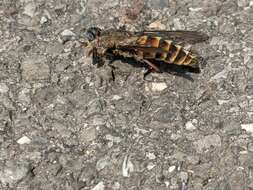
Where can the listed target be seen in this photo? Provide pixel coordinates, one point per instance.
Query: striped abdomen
(165, 50)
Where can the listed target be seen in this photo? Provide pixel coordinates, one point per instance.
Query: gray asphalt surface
(64, 124)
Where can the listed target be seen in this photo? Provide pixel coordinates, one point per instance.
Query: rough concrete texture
(65, 124)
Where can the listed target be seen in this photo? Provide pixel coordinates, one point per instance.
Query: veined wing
(179, 36)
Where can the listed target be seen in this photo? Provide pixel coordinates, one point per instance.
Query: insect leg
(151, 65)
(94, 56)
(112, 70)
(97, 58)
(126, 54)
(147, 73)
(121, 53)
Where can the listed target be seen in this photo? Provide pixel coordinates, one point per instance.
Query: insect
(148, 47)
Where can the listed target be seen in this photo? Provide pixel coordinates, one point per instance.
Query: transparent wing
(191, 37)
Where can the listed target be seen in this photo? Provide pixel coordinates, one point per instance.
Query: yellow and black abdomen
(165, 50)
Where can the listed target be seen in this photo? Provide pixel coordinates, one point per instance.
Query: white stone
(175, 136)
(156, 86)
(220, 102)
(127, 166)
(151, 156)
(150, 166)
(116, 97)
(67, 33)
(243, 152)
(248, 128)
(99, 186)
(172, 168)
(43, 20)
(189, 126)
(195, 9)
(167, 183)
(251, 3)
(24, 140)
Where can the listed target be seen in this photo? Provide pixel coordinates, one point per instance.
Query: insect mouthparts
(92, 33)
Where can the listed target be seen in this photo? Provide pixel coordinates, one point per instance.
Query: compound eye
(92, 33)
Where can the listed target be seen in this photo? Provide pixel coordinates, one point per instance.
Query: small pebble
(175, 137)
(116, 97)
(167, 183)
(99, 186)
(67, 33)
(195, 9)
(127, 166)
(221, 102)
(43, 20)
(172, 168)
(150, 166)
(189, 126)
(243, 152)
(248, 128)
(155, 86)
(151, 156)
(24, 140)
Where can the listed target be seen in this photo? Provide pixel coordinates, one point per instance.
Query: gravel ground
(64, 124)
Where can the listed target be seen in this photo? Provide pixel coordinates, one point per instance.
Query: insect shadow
(177, 70)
